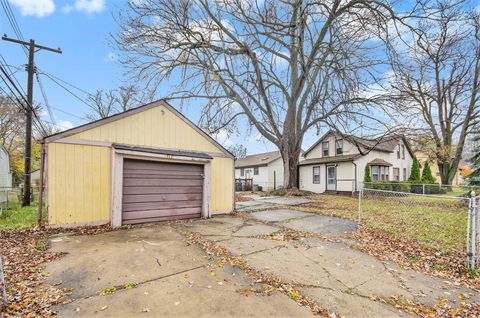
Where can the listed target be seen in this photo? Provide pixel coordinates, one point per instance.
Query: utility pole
(32, 48)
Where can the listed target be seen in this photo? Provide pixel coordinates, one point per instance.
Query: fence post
(360, 195)
(423, 188)
(473, 219)
(4, 288)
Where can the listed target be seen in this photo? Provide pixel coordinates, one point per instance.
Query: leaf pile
(24, 255)
(410, 255)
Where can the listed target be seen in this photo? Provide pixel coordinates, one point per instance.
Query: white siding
(316, 152)
(261, 179)
(275, 170)
(306, 179)
(5, 175)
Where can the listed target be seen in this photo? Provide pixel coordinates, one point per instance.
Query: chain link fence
(11, 197)
(442, 222)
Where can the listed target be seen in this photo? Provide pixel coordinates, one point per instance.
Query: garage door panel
(164, 213)
(138, 206)
(162, 197)
(132, 164)
(164, 189)
(157, 191)
(160, 219)
(161, 182)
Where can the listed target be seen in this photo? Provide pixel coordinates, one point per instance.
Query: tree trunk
(290, 156)
(447, 173)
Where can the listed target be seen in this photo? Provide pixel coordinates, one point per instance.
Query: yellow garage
(144, 165)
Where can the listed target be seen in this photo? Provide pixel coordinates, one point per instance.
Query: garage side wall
(78, 184)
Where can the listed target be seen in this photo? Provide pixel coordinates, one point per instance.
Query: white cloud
(64, 124)
(86, 6)
(39, 8)
(224, 138)
(110, 57)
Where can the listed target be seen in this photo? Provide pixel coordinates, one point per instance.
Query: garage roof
(130, 112)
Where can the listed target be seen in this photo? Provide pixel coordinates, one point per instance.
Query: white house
(5, 175)
(266, 169)
(336, 163)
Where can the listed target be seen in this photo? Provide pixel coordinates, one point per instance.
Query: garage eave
(168, 152)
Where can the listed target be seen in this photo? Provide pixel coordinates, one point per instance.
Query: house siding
(79, 176)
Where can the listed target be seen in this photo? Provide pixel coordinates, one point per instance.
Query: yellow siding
(78, 183)
(79, 175)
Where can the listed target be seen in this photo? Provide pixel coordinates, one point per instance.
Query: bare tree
(12, 120)
(102, 104)
(436, 67)
(285, 66)
(239, 151)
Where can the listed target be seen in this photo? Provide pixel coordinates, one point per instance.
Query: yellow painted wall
(79, 175)
(78, 183)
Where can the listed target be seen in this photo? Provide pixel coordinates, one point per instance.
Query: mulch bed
(25, 254)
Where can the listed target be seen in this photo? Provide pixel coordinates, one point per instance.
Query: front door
(331, 178)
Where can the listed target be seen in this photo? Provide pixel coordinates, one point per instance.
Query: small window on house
(325, 146)
(339, 146)
(375, 173)
(398, 151)
(316, 174)
(396, 174)
(242, 172)
(404, 174)
(384, 171)
(255, 171)
(403, 152)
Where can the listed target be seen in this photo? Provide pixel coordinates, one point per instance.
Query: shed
(144, 165)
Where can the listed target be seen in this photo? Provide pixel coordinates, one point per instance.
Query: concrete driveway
(158, 274)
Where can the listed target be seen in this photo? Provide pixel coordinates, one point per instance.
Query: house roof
(132, 111)
(164, 151)
(341, 158)
(260, 159)
(384, 144)
(380, 162)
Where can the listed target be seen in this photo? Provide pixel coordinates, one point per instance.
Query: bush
(367, 177)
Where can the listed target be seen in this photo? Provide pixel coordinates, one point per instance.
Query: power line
(13, 22)
(65, 82)
(68, 90)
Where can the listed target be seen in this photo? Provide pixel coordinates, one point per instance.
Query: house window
(255, 171)
(375, 173)
(316, 174)
(398, 151)
(396, 174)
(380, 173)
(384, 173)
(403, 152)
(339, 146)
(325, 146)
(404, 174)
(242, 172)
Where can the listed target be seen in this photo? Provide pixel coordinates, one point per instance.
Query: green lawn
(18, 217)
(432, 223)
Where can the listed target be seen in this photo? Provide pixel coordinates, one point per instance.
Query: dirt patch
(240, 197)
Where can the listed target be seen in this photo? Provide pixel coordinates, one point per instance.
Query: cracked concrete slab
(174, 280)
(255, 230)
(286, 200)
(323, 225)
(279, 215)
(246, 246)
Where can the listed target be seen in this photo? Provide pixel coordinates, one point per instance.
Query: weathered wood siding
(78, 184)
(79, 175)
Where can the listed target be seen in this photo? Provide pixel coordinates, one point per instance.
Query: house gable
(155, 125)
(316, 150)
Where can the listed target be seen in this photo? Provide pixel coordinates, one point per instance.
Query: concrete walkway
(260, 203)
(175, 279)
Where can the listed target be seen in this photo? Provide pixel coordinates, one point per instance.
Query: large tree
(436, 66)
(282, 67)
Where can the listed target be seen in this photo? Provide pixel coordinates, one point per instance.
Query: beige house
(458, 179)
(336, 162)
(265, 169)
(144, 165)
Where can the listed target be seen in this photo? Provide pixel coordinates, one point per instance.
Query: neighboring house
(336, 163)
(458, 179)
(144, 165)
(266, 169)
(5, 175)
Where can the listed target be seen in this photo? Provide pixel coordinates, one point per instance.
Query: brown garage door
(157, 191)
